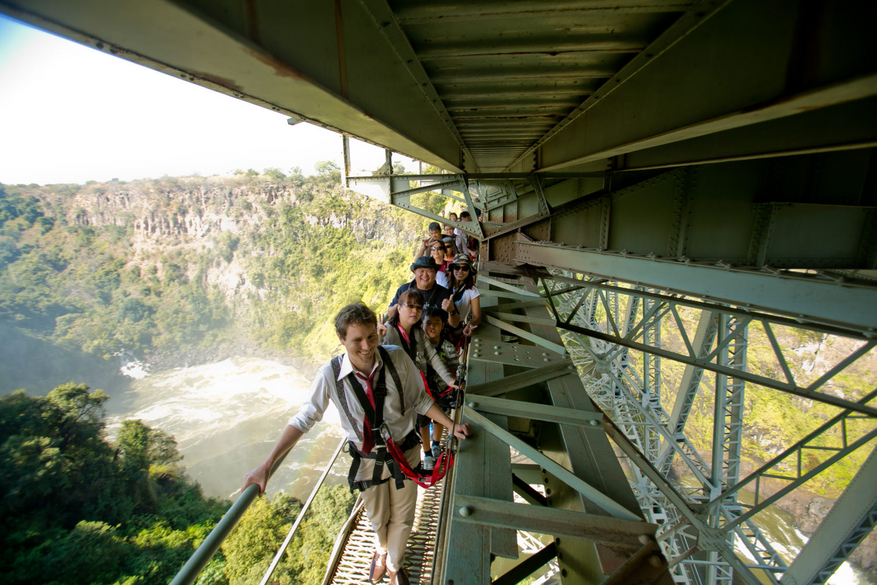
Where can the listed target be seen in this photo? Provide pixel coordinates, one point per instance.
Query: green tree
(71, 508)
(249, 549)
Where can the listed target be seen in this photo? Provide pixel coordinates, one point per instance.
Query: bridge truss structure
(679, 365)
(678, 250)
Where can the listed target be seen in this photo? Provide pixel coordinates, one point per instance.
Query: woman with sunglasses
(404, 330)
(461, 283)
(437, 250)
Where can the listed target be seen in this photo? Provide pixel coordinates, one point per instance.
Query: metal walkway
(351, 566)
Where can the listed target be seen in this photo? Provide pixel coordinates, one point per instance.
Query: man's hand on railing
(258, 476)
(462, 431)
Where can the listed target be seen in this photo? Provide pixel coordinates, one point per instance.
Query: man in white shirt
(390, 509)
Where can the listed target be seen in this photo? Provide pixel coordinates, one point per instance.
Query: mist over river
(226, 416)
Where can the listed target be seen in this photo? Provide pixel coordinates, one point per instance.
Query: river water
(226, 416)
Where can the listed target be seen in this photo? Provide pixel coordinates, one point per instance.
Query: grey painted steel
(715, 94)
(711, 538)
(482, 469)
(549, 345)
(672, 35)
(546, 520)
(831, 95)
(507, 287)
(727, 433)
(634, 412)
(384, 19)
(691, 377)
(851, 518)
(518, 381)
(749, 377)
(601, 499)
(807, 298)
(590, 420)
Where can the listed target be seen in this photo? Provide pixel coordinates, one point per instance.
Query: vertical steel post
(345, 147)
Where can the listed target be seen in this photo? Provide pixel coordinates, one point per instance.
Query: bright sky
(70, 114)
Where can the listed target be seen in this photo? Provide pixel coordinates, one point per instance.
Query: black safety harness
(385, 452)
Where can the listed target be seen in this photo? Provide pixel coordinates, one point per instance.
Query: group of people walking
(397, 377)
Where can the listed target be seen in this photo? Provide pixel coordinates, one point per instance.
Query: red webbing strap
(424, 480)
(440, 469)
(442, 394)
(426, 386)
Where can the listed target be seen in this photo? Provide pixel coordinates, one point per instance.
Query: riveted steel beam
(617, 532)
(717, 94)
(689, 22)
(831, 95)
(600, 499)
(518, 381)
(800, 296)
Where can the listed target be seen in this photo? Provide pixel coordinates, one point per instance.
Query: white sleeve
(311, 412)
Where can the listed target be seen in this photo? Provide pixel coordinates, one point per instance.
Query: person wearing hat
(434, 295)
(435, 235)
(464, 295)
(450, 248)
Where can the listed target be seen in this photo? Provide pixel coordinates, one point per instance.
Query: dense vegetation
(168, 266)
(77, 509)
(173, 264)
(177, 263)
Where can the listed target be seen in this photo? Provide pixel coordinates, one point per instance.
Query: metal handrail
(341, 540)
(202, 555)
(301, 514)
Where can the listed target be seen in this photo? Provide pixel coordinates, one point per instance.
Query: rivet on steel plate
(466, 511)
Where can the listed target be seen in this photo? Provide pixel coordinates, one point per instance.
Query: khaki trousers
(390, 511)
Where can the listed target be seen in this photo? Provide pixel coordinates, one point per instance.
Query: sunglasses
(415, 307)
(466, 268)
(434, 248)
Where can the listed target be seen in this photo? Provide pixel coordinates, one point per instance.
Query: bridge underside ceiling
(518, 86)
